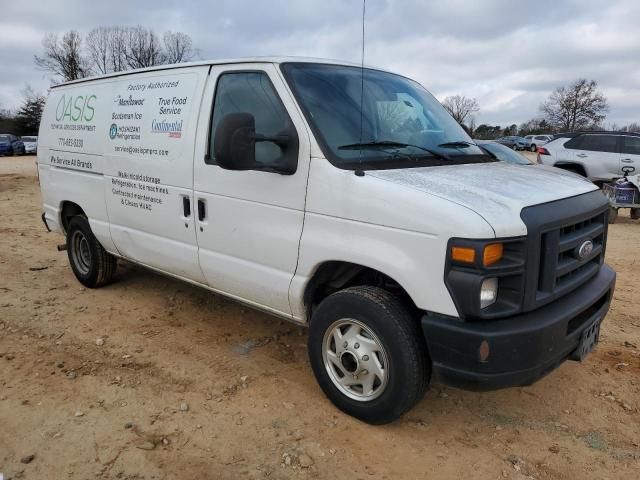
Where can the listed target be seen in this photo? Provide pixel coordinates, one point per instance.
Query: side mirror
(235, 145)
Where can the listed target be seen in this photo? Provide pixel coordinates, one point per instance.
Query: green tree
(30, 112)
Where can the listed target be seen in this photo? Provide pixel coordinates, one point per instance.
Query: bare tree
(576, 107)
(178, 47)
(63, 57)
(143, 48)
(112, 49)
(107, 47)
(99, 46)
(118, 49)
(461, 108)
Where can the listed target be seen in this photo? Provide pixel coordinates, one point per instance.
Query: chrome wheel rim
(355, 360)
(80, 252)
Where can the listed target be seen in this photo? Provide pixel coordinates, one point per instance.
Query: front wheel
(613, 214)
(92, 265)
(368, 354)
(515, 147)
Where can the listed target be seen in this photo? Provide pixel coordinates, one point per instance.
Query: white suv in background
(535, 141)
(599, 156)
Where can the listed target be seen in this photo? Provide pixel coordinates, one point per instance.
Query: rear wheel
(368, 354)
(92, 265)
(613, 214)
(533, 148)
(515, 147)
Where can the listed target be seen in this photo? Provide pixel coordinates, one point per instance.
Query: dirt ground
(150, 378)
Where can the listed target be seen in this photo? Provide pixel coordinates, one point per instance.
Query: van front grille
(555, 233)
(561, 267)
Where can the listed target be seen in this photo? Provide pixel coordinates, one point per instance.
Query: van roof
(224, 61)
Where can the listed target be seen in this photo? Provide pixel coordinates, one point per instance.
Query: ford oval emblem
(585, 249)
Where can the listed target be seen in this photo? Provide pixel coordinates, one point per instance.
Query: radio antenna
(364, 9)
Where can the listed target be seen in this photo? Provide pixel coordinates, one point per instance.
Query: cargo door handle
(581, 155)
(186, 207)
(626, 160)
(202, 210)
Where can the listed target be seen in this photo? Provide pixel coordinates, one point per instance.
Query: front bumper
(522, 348)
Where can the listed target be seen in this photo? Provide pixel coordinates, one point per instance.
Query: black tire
(408, 365)
(533, 147)
(92, 265)
(613, 214)
(515, 147)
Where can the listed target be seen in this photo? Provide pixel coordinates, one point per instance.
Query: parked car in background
(513, 141)
(535, 141)
(30, 144)
(11, 145)
(599, 156)
(502, 152)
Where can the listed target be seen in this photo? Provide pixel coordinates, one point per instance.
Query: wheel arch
(333, 275)
(572, 167)
(68, 210)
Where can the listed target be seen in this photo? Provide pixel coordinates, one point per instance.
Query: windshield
(400, 124)
(4, 139)
(505, 154)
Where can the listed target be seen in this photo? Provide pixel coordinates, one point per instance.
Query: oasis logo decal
(75, 109)
(113, 131)
(174, 128)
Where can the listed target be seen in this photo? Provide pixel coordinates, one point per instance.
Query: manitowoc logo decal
(174, 128)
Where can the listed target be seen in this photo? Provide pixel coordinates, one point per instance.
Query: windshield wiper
(390, 144)
(456, 144)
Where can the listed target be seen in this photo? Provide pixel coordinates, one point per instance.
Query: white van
(366, 213)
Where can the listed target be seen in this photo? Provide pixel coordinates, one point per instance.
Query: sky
(509, 54)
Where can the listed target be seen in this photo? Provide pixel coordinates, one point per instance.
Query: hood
(497, 191)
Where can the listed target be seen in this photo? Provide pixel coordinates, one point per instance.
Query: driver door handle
(186, 206)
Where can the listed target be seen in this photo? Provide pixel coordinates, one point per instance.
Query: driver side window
(250, 92)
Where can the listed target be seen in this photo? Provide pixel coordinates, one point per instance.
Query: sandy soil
(150, 378)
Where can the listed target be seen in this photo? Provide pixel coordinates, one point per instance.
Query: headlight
(486, 277)
(488, 292)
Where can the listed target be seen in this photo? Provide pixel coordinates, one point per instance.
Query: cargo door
(149, 168)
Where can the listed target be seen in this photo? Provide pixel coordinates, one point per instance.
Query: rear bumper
(521, 349)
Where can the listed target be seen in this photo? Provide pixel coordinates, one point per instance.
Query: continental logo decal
(173, 128)
(76, 109)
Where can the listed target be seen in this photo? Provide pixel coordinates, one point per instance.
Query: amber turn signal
(463, 254)
(492, 254)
